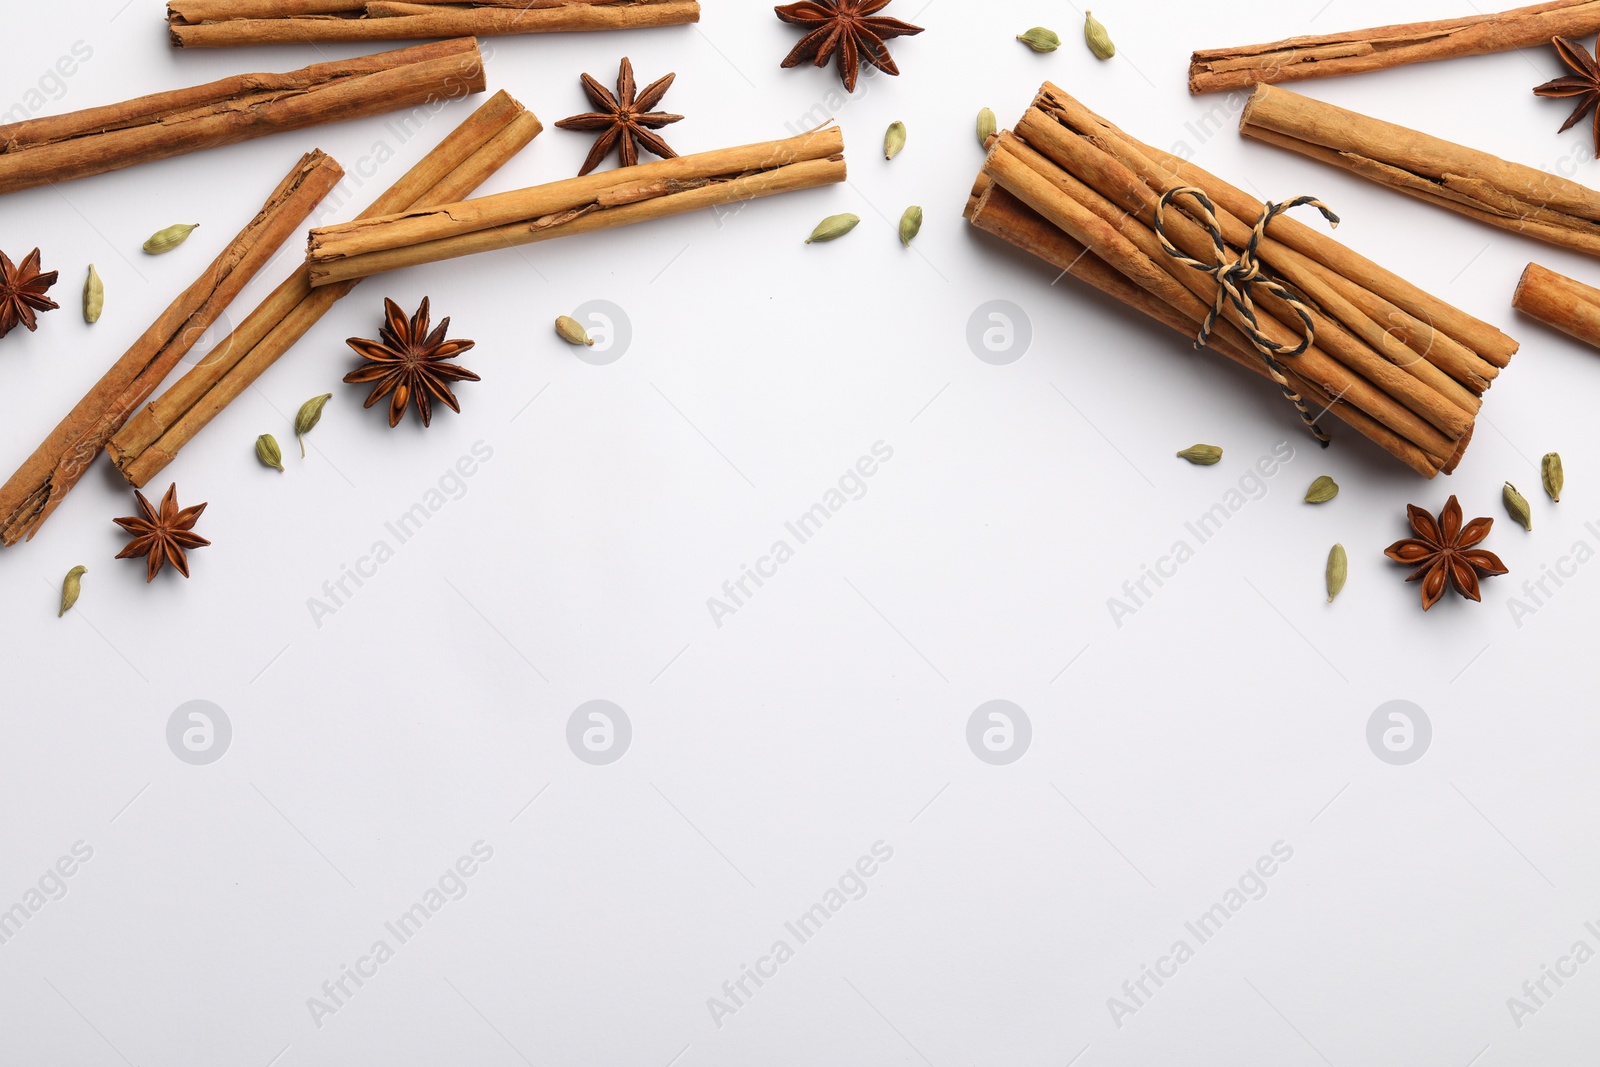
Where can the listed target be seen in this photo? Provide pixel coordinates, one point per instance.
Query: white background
(830, 712)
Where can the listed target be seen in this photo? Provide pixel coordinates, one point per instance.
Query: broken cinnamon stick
(1559, 301)
(40, 484)
(96, 140)
(1298, 58)
(229, 23)
(1513, 197)
(466, 158)
(577, 205)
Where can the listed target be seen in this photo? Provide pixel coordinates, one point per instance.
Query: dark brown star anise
(626, 119)
(163, 536)
(409, 362)
(1583, 83)
(1444, 553)
(847, 29)
(22, 292)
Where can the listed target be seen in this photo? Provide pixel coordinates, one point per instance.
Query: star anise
(1583, 83)
(1444, 553)
(844, 28)
(409, 362)
(22, 292)
(626, 119)
(163, 536)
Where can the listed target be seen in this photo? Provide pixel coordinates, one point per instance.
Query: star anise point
(1444, 553)
(22, 292)
(1583, 83)
(162, 535)
(409, 364)
(848, 30)
(624, 119)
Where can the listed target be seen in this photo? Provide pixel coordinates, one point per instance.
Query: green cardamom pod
(307, 417)
(1040, 39)
(894, 140)
(1202, 455)
(1322, 490)
(571, 331)
(1338, 571)
(910, 225)
(833, 227)
(1517, 507)
(94, 296)
(71, 586)
(1098, 39)
(268, 452)
(988, 126)
(1553, 476)
(168, 239)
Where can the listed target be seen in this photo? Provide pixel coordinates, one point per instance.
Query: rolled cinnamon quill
(228, 23)
(96, 140)
(577, 205)
(1398, 365)
(464, 160)
(1299, 58)
(1556, 300)
(40, 484)
(1508, 195)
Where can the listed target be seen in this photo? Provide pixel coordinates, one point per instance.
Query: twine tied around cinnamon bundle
(1237, 280)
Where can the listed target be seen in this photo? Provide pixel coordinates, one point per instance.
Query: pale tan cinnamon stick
(97, 140)
(1511, 196)
(40, 484)
(1559, 301)
(1298, 58)
(228, 23)
(576, 205)
(467, 157)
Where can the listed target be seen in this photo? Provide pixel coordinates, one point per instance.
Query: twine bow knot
(1238, 279)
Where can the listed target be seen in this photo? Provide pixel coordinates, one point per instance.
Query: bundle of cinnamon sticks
(619, 197)
(1401, 367)
(464, 160)
(96, 140)
(226, 23)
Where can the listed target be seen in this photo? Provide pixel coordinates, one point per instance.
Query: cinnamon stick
(1298, 58)
(1425, 323)
(1559, 301)
(1134, 250)
(639, 193)
(466, 158)
(229, 23)
(40, 484)
(1508, 195)
(100, 139)
(997, 212)
(1367, 350)
(1076, 190)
